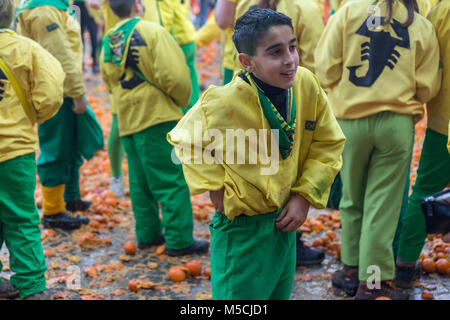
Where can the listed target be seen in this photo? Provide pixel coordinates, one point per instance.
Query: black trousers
(88, 23)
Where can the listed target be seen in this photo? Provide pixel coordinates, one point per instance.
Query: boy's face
(276, 59)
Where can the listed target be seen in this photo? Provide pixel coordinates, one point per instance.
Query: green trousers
(19, 224)
(251, 259)
(115, 148)
(155, 178)
(376, 156)
(59, 161)
(227, 75)
(189, 51)
(433, 175)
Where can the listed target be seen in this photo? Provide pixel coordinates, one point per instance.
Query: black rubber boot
(7, 290)
(198, 247)
(307, 256)
(346, 279)
(157, 242)
(63, 220)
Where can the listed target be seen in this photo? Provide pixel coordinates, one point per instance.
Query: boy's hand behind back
(217, 200)
(293, 215)
(79, 105)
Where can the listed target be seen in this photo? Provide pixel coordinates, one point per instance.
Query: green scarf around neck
(116, 42)
(286, 128)
(29, 4)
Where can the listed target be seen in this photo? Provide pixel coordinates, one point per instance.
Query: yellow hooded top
(41, 78)
(362, 79)
(208, 32)
(264, 186)
(183, 29)
(438, 109)
(307, 22)
(59, 33)
(153, 52)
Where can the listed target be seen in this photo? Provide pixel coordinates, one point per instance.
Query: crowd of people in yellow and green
(334, 89)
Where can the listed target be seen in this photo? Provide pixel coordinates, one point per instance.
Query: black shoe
(346, 280)
(7, 290)
(405, 276)
(95, 68)
(63, 220)
(307, 256)
(157, 242)
(43, 295)
(77, 205)
(198, 247)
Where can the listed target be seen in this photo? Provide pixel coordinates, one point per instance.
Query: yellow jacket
(41, 77)
(309, 170)
(359, 81)
(183, 29)
(160, 12)
(424, 6)
(60, 34)
(161, 61)
(307, 22)
(208, 32)
(438, 109)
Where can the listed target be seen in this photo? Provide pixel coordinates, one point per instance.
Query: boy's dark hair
(253, 25)
(6, 13)
(122, 8)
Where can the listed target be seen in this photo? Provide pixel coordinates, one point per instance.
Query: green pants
(227, 75)
(155, 178)
(189, 53)
(59, 161)
(115, 149)
(19, 224)
(433, 175)
(251, 259)
(376, 156)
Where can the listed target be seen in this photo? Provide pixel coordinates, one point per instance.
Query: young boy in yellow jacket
(31, 90)
(263, 197)
(358, 59)
(144, 70)
(50, 24)
(308, 27)
(433, 174)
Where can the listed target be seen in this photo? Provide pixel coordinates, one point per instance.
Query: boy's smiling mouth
(289, 74)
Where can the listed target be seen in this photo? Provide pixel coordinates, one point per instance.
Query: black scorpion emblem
(380, 51)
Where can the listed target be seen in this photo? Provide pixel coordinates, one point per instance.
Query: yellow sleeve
(424, 7)
(165, 10)
(46, 25)
(324, 158)
(428, 73)
(310, 28)
(209, 32)
(328, 53)
(188, 143)
(166, 67)
(46, 84)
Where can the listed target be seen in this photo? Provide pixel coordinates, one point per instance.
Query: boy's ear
(246, 61)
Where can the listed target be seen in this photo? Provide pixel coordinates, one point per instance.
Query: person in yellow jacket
(433, 173)
(307, 21)
(358, 59)
(31, 90)
(184, 32)
(50, 24)
(261, 196)
(144, 70)
(308, 27)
